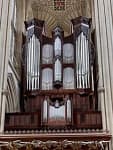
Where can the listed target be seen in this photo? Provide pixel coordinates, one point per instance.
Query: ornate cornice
(56, 145)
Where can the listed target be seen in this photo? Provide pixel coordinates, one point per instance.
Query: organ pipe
(81, 26)
(69, 110)
(45, 110)
(82, 63)
(57, 46)
(34, 30)
(57, 35)
(58, 71)
(57, 112)
(47, 79)
(33, 63)
(68, 53)
(47, 54)
(68, 78)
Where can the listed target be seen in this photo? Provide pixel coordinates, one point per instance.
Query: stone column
(104, 35)
(100, 65)
(4, 59)
(1, 2)
(5, 33)
(21, 12)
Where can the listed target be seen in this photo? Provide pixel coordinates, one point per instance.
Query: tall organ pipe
(34, 30)
(81, 26)
(58, 35)
(82, 62)
(33, 63)
(45, 110)
(69, 110)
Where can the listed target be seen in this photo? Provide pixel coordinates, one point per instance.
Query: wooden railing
(24, 121)
(88, 119)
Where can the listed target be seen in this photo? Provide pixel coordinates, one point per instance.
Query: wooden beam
(103, 136)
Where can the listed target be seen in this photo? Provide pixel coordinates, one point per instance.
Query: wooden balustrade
(82, 120)
(88, 119)
(22, 120)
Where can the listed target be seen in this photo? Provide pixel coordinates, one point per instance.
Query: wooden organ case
(59, 78)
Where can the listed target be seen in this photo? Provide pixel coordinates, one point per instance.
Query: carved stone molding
(56, 145)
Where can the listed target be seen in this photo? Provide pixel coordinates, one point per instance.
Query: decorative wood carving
(56, 145)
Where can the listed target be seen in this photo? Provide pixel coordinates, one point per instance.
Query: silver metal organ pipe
(32, 63)
(84, 69)
(86, 85)
(76, 62)
(69, 109)
(36, 73)
(37, 59)
(27, 66)
(92, 80)
(88, 72)
(57, 70)
(30, 52)
(35, 62)
(82, 62)
(82, 65)
(79, 56)
(28, 63)
(45, 110)
(38, 46)
(33, 53)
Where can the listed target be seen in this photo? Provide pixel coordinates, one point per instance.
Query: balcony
(22, 121)
(88, 120)
(32, 121)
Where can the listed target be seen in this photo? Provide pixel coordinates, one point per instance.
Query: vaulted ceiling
(45, 10)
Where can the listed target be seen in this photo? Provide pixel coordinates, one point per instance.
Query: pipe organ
(59, 75)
